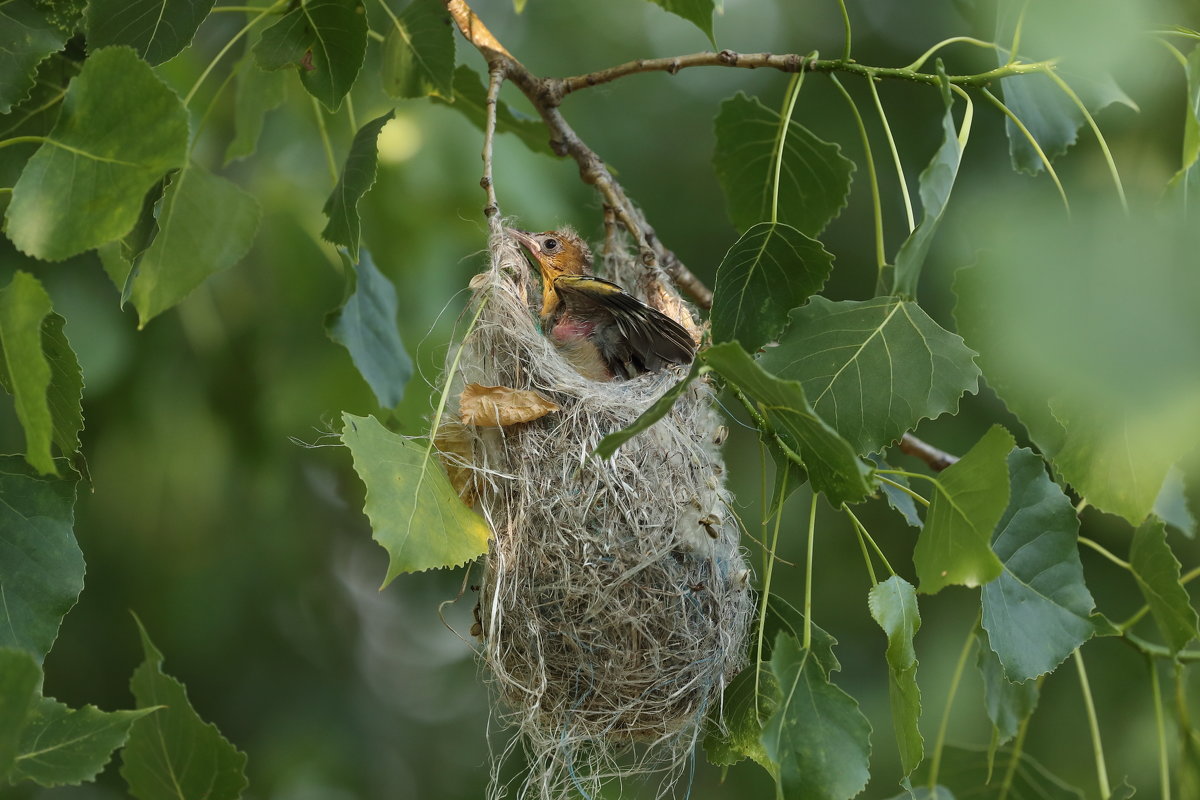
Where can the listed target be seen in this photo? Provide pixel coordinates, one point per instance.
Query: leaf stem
(1164, 770)
(1033, 142)
(846, 24)
(920, 62)
(187, 100)
(350, 115)
(862, 545)
(1102, 550)
(808, 569)
(1091, 121)
(877, 206)
(919, 498)
(1017, 748)
(1093, 726)
(325, 143)
(1017, 29)
(768, 569)
(935, 763)
(863, 533)
(23, 140)
(785, 122)
(887, 130)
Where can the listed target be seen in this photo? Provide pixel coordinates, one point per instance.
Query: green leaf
(358, 176)
(20, 677)
(470, 98)
(966, 771)
(971, 496)
(1157, 572)
(817, 735)
(1185, 185)
(893, 605)
(365, 324)
(697, 12)
(325, 39)
(173, 753)
(874, 368)
(119, 131)
(206, 224)
(27, 39)
(814, 178)
(418, 54)
(1039, 609)
(770, 270)
(900, 501)
(1008, 704)
(41, 566)
(258, 91)
(157, 29)
(65, 746)
(936, 182)
(24, 371)
(659, 409)
(833, 467)
(414, 511)
(1171, 504)
(64, 395)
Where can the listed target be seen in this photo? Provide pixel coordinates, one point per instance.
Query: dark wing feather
(644, 339)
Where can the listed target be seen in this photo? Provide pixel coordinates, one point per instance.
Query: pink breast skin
(569, 330)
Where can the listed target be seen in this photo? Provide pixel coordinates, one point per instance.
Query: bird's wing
(647, 336)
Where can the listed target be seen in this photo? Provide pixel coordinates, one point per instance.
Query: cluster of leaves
(103, 159)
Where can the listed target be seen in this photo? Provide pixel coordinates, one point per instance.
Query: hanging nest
(615, 599)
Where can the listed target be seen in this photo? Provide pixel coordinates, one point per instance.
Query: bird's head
(561, 252)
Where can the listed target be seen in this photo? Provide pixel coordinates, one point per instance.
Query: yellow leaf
(492, 406)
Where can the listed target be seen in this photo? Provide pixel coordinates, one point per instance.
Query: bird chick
(601, 330)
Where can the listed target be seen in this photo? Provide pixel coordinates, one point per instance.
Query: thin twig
(495, 79)
(937, 459)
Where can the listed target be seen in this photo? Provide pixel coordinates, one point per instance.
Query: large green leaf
(470, 99)
(365, 324)
(41, 566)
(20, 677)
(936, 181)
(1039, 610)
(970, 497)
(414, 511)
(358, 176)
(24, 370)
(966, 772)
(833, 467)
(1157, 572)
(1171, 505)
(27, 39)
(325, 39)
(769, 271)
(659, 409)
(173, 753)
(157, 29)
(119, 131)
(66, 746)
(814, 177)
(893, 605)
(258, 91)
(65, 393)
(1008, 704)
(206, 224)
(817, 734)
(418, 54)
(697, 12)
(873, 368)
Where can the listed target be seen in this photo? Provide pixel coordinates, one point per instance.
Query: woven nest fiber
(615, 599)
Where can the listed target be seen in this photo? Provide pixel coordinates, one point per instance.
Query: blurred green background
(221, 512)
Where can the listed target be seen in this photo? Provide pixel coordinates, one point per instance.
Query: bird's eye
(550, 244)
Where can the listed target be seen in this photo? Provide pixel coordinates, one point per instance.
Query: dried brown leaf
(493, 406)
(454, 448)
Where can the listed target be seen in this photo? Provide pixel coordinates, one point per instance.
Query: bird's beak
(526, 239)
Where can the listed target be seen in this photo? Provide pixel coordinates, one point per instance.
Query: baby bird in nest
(601, 330)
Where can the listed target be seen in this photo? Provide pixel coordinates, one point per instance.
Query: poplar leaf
(24, 370)
(769, 270)
(41, 566)
(257, 92)
(1008, 704)
(65, 746)
(157, 29)
(1157, 573)
(19, 680)
(418, 54)
(28, 39)
(357, 178)
(873, 368)
(415, 513)
(969, 498)
(893, 604)
(325, 39)
(119, 130)
(815, 177)
(173, 753)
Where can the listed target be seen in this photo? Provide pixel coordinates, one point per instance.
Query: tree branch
(936, 459)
